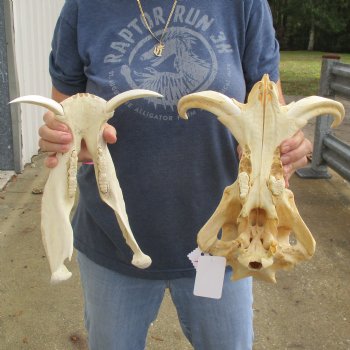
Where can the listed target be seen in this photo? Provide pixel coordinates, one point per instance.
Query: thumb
(110, 133)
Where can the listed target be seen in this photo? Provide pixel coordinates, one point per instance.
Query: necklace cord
(166, 25)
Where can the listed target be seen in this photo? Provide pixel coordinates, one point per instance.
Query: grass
(300, 71)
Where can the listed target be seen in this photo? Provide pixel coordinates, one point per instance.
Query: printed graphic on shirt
(189, 61)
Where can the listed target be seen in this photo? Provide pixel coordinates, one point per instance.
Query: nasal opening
(255, 265)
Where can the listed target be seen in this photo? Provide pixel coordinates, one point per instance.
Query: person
(172, 173)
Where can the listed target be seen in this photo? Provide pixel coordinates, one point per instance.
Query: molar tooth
(276, 185)
(72, 174)
(243, 181)
(102, 171)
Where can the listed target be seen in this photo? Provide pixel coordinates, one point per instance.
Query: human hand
(294, 153)
(55, 137)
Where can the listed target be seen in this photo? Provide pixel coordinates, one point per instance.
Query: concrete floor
(308, 308)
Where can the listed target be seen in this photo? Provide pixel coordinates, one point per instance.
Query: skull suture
(257, 214)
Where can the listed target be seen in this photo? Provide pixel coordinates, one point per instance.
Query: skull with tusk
(257, 214)
(85, 115)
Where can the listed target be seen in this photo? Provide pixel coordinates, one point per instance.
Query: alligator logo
(177, 72)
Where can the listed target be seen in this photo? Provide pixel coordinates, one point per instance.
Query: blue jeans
(119, 310)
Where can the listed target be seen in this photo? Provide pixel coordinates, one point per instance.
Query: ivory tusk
(123, 97)
(48, 103)
(227, 110)
(315, 106)
(220, 105)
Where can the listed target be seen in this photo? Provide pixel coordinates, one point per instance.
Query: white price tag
(194, 256)
(210, 276)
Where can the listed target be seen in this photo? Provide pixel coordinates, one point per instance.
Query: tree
(325, 16)
(302, 24)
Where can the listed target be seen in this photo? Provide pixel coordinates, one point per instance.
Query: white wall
(34, 22)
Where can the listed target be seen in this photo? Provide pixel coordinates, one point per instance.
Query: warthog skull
(257, 213)
(85, 115)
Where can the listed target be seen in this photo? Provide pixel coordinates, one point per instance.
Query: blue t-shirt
(172, 172)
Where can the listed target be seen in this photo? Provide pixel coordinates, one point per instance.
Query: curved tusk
(222, 106)
(48, 103)
(123, 97)
(315, 106)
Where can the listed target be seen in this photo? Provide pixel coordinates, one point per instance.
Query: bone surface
(85, 115)
(261, 228)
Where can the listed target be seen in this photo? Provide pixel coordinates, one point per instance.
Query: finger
(298, 153)
(47, 146)
(51, 161)
(286, 182)
(54, 136)
(289, 169)
(287, 174)
(239, 151)
(109, 133)
(293, 142)
(52, 123)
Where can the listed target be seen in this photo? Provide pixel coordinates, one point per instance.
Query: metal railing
(330, 151)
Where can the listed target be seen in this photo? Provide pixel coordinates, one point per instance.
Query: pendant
(158, 49)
